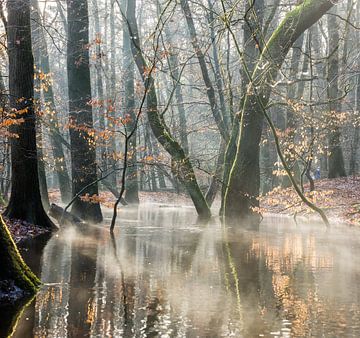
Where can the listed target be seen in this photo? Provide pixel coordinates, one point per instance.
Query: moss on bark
(13, 268)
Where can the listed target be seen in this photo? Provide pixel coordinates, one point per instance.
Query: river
(164, 274)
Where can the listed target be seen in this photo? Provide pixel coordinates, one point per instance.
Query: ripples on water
(163, 275)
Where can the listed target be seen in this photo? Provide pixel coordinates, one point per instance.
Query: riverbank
(339, 198)
(22, 231)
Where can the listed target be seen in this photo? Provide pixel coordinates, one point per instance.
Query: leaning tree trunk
(180, 161)
(83, 152)
(244, 181)
(25, 200)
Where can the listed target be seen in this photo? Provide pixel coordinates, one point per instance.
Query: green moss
(14, 268)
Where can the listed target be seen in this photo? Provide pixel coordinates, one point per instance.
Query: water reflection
(165, 275)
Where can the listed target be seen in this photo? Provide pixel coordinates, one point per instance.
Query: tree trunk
(216, 179)
(43, 65)
(83, 154)
(243, 186)
(356, 137)
(252, 37)
(25, 200)
(336, 159)
(132, 190)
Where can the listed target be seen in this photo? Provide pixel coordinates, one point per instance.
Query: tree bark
(132, 190)
(252, 47)
(25, 200)
(336, 158)
(83, 154)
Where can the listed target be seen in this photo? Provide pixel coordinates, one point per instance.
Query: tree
(25, 200)
(221, 121)
(180, 161)
(83, 154)
(336, 159)
(252, 47)
(42, 63)
(244, 181)
(132, 193)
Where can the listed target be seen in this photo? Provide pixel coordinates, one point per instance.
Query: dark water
(166, 276)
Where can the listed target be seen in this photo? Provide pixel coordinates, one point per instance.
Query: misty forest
(179, 168)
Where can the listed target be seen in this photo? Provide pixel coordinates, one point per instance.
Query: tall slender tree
(83, 154)
(132, 191)
(42, 64)
(336, 158)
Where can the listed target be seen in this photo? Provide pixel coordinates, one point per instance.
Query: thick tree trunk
(243, 187)
(252, 47)
(180, 162)
(83, 154)
(25, 200)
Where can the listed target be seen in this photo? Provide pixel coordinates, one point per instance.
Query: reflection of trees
(247, 280)
(82, 312)
(166, 276)
(53, 299)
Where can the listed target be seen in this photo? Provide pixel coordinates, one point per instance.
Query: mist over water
(164, 275)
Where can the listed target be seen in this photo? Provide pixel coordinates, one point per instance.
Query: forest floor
(22, 231)
(339, 198)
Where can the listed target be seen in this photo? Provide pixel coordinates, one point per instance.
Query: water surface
(165, 275)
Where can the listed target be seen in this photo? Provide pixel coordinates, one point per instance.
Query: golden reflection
(163, 277)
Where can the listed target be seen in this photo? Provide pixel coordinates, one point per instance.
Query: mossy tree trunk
(244, 180)
(25, 200)
(252, 46)
(83, 154)
(180, 161)
(13, 269)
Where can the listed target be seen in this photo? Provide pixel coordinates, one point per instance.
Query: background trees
(199, 118)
